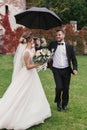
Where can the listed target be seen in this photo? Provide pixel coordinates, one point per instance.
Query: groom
(61, 67)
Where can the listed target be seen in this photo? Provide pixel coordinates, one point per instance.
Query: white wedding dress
(24, 104)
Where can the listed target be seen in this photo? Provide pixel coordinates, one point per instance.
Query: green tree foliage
(76, 11)
(68, 10)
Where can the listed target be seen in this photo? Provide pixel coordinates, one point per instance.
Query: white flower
(38, 53)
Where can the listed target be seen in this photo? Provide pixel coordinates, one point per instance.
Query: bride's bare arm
(28, 64)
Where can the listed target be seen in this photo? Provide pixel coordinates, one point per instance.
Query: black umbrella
(38, 18)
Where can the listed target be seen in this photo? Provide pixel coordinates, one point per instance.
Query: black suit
(62, 76)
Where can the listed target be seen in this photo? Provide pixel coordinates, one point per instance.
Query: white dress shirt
(60, 58)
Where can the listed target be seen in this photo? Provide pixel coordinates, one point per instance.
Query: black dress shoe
(59, 108)
(64, 107)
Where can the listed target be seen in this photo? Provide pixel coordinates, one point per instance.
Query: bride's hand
(41, 63)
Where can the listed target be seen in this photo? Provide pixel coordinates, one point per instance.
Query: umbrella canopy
(38, 18)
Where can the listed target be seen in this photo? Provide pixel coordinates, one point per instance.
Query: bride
(24, 104)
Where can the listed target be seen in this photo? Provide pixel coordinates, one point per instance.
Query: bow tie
(60, 43)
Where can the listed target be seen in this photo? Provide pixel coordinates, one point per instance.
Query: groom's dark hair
(58, 30)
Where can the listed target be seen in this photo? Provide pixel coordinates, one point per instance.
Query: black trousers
(62, 80)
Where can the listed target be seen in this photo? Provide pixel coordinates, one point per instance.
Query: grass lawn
(75, 118)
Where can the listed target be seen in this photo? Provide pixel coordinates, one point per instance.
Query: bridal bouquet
(43, 55)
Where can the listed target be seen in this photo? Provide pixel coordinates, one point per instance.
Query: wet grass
(75, 118)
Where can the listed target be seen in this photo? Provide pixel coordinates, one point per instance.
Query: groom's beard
(59, 40)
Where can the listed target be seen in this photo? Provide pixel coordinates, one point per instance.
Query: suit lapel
(55, 46)
(67, 50)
